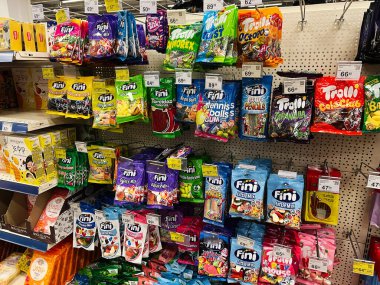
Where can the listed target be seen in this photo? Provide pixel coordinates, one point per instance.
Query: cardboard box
(40, 33)
(6, 198)
(10, 35)
(28, 37)
(16, 215)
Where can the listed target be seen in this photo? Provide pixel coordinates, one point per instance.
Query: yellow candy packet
(57, 96)
(101, 164)
(104, 105)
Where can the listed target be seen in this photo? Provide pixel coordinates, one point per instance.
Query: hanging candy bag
(79, 93)
(102, 35)
(84, 226)
(121, 48)
(57, 96)
(104, 107)
(108, 230)
(157, 30)
(187, 100)
(372, 104)
(100, 164)
(67, 168)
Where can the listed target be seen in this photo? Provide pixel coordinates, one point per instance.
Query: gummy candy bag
(121, 47)
(101, 164)
(104, 106)
(372, 104)
(134, 239)
(102, 35)
(187, 100)
(57, 96)
(182, 46)
(109, 233)
(132, 52)
(259, 36)
(67, 168)
(142, 44)
(84, 226)
(79, 92)
(256, 93)
(157, 30)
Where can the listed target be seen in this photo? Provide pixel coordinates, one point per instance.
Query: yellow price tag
(112, 6)
(98, 84)
(122, 74)
(210, 170)
(108, 152)
(177, 237)
(363, 267)
(176, 163)
(61, 16)
(60, 153)
(48, 73)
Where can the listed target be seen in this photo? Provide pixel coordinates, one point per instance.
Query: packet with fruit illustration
(79, 92)
(102, 31)
(104, 106)
(284, 200)
(187, 100)
(84, 226)
(134, 239)
(100, 164)
(108, 231)
(67, 168)
(57, 96)
(372, 104)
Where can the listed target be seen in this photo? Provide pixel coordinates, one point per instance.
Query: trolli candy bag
(372, 104)
(79, 92)
(84, 226)
(284, 200)
(255, 107)
(187, 100)
(183, 45)
(57, 94)
(102, 35)
(338, 106)
(259, 36)
(108, 230)
(157, 30)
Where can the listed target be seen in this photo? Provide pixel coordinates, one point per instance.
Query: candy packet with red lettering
(157, 31)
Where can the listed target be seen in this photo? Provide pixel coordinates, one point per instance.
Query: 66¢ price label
(212, 5)
(295, 86)
(349, 70)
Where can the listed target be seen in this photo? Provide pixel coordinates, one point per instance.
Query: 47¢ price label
(328, 184)
(374, 181)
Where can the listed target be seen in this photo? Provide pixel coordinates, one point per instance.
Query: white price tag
(7, 127)
(281, 251)
(247, 3)
(148, 6)
(183, 77)
(329, 184)
(212, 5)
(245, 241)
(295, 86)
(318, 264)
(214, 82)
(374, 181)
(91, 7)
(252, 70)
(153, 219)
(152, 79)
(349, 70)
(38, 12)
(287, 174)
(247, 166)
(176, 17)
(81, 146)
(128, 219)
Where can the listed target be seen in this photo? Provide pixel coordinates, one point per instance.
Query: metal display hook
(340, 20)
(349, 235)
(303, 22)
(360, 169)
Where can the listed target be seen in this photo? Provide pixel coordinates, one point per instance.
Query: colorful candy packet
(170, 221)
(131, 100)
(154, 239)
(182, 46)
(84, 226)
(372, 104)
(108, 230)
(79, 93)
(134, 239)
(219, 28)
(57, 96)
(216, 113)
(104, 106)
(67, 168)
(101, 164)
(132, 52)
(163, 109)
(121, 48)
(259, 36)
(142, 44)
(187, 100)
(157, 30)
(102, 35)
(254, 109)
(188, 253)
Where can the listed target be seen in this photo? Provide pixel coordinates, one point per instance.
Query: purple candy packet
(131, 182)
(102, 31)
(170, 221)
(142, 44)
(157, 31)
(162, 185)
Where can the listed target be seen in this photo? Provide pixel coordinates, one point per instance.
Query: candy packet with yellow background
(100, 159)
(57, 96)
(104, 105)
(79, 91)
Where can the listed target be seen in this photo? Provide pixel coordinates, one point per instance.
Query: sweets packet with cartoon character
(84, 226)
(372, 104)
(187, 100)
(104, 105)
(101, 164)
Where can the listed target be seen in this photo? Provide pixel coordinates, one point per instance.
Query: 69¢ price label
(252, 70)
(183, 77)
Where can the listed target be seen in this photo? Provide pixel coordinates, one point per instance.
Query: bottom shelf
(24, 241)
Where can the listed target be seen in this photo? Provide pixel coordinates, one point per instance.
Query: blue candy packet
(187, 100)
(284, 200)
(84, 226)
(108, 231)
(122, 36)
(255, 108)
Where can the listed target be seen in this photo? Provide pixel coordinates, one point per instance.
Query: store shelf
(10, 56)
(24, 241)
(7, 182)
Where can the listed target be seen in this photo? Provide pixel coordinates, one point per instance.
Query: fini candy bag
(67, 168)
(104, 105)
(163, 109)
(57, 96)
(187, 100)
(284, 200)
(182, 46)
(100, 164)
(84, 226)
(254, 109)
(134, 239)
(102, 34)
(157, 30)
(338, 106)
(108, 231)
(372, 104)
(79, 92)
(216, 112)
(121, 48)
(259, 36)
(154, 239)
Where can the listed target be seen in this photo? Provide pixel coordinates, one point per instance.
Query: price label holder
(122, 73)
(374, 180)
(209, 170)
(6, 127)
(176, 17)
(183, 77)
(250, 3)
(62, 15)
(287, 174)
(38, 12)
(148, 6)
(281, 251)
(212, 5)
(153, 219)
(247, 166)
(128, 219)
(363, 267)
(112, 6)
(348, 70)
(152, 79)
(318, 264)
(329, 184)
(91, 6)
(252, 70)
(245, 241)
(214, 82)
(176, 163)
(48, 72)
(81, 146)
(179, 238)
(108, 152)
(60, 153)
(295, 85)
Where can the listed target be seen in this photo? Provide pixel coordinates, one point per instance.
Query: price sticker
(81, 147)
(179, 238)
(148, 6)
(245, 241)
(248, 3)
(212, 5)
(7, 127)
(60, 153)
(152, 79)
(349, 70)
(247, 166)
(91, 7)
(295, 86)
(128, 219)
(113, 6)
(183, 77)
(99, 84)
(38, 12)
(176, 17)
(122, 74)
(48, 72)
(153, 219)
(252, 70)
(281, 251)
(214, 82)
(318, 264)
(108, 152)
(374, 181)
(62, 15)
(329, 184)
(176, 163)
(363, 267)
(209, 170)
(287, 174)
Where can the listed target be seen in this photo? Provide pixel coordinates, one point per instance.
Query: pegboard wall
(317, 48)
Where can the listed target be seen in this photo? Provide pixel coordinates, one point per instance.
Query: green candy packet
(372, 104)
(67, 169)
